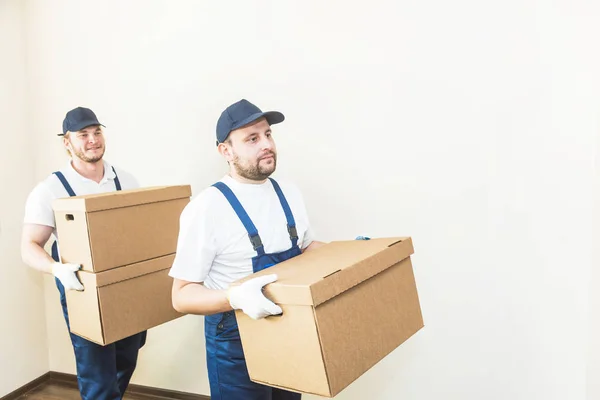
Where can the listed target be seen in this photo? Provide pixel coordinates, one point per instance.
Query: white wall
(593, 383)
(593, 370)
(458, 123)
(23, 347)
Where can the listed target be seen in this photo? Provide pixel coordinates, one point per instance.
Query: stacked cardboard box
(125, 242)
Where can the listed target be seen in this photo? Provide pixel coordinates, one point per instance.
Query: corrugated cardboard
(122, 301)
(110, 230)
(345, 306)
(126, 243)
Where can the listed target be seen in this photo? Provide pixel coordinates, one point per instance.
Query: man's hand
(249, 298)
(66, 275)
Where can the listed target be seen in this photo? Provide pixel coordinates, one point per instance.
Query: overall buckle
(256, 242)
(293, 232)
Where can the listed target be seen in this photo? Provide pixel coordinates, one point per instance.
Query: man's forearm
(36, 257)
(195, 298)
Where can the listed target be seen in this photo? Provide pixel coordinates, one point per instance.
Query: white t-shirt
(213, 245)
(38, 209)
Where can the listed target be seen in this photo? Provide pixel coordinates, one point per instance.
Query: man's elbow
(25, 250)
(176, 301)
(178, 308)
(178, 297)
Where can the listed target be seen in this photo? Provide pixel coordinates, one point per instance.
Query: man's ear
(66, 141)
(225, 150)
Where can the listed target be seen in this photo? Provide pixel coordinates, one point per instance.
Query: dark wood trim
(27, 387)
(169, 394)
(63, 379)
(71, 381)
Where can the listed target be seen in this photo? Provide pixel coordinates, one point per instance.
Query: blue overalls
(103, 372)
(227, 371)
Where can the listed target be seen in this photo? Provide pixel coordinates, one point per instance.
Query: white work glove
(66, 275)
(249, 298)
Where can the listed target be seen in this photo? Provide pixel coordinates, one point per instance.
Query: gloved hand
(249, 298)
(66, 275)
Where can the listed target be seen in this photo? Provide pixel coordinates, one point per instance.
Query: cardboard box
(122, 301)
(346, 305)
(126, 243)
(110, 230)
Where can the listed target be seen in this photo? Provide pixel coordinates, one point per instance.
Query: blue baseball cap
(77, 119)
(240, 114)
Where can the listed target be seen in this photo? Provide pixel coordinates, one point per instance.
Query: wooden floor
(52, 390)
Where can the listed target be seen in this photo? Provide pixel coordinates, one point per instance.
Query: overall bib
(227, 371)
(103, 372)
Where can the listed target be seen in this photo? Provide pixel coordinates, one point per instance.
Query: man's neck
(92, 171)
(241, 179)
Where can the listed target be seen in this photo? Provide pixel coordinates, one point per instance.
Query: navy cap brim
(82, 125)
(273, 117)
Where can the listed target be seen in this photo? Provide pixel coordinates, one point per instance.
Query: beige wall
(458, 123)
(23, 345)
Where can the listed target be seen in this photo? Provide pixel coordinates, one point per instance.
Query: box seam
(321, 349)
(133, 277)
(135, 205)
(100, 312)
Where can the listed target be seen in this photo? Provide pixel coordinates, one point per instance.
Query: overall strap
(69, 189)
(71, 193)
(117, 182)
(64, 182)
(291, 223)
(243, 216)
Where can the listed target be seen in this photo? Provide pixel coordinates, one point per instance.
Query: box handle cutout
(334, 272)
(70, 217)
(395, 243)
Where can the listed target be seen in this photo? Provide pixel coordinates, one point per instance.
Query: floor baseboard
(27, 387)
(71, 380)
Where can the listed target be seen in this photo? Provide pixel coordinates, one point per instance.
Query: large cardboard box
(346, 305)
(126, 243)
(110, 230)
(122, 301)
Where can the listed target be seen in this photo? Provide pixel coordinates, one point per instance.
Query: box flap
(122, 198)
(370, 259)
(133, 270)
(319, 275)
(294, 334)
(84, 310)
(361, 326)
(137, 304)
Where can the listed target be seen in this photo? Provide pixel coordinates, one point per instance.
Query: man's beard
(81, 155)
(255, 172)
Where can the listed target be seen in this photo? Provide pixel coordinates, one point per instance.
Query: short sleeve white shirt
(38, 208)
(213, 245)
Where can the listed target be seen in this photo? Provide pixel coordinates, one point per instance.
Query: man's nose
(266, 144)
